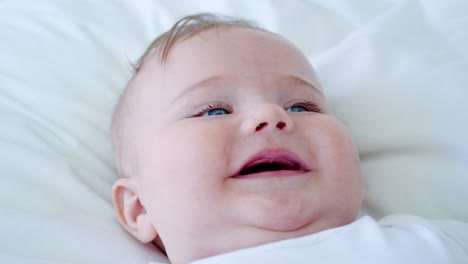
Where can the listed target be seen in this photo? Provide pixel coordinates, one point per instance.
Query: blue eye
(297, 108)
(216, 111)
(213, 109)
(304, 106)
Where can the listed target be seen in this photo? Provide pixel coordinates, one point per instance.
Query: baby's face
(236, 147)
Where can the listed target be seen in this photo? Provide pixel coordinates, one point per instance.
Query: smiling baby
(224, 141)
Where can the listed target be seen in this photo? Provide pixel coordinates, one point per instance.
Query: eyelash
(310, 106)
(206, 108)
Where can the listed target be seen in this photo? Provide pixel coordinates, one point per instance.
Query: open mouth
(279, 161)
(272, 165)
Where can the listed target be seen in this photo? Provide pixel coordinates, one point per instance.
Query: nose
(267, 117)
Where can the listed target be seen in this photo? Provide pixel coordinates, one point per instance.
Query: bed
(394, 71)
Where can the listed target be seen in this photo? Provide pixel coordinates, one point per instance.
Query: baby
(224, 141)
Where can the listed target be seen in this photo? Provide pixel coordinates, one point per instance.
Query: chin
(287, 223)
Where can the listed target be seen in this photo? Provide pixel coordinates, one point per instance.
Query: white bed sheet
(394, 72)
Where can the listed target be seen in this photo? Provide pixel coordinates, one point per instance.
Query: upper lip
(272, 159)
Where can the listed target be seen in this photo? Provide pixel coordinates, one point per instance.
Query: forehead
(239, 51)
(229, 51)
(233, 52)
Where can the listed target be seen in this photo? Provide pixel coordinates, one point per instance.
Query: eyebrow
(301, 82)
(212, 81)
(216, 80)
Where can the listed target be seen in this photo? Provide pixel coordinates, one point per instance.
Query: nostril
(281, 125)
(260, 126)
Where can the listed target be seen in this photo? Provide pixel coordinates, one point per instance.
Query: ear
(131, 213)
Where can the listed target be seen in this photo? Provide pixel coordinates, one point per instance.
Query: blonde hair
(183, 29)
(187, 27)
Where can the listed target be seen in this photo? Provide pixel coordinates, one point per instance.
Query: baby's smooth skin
(225, 101)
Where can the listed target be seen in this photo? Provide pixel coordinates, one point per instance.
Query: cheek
(329, 138)
(199, 144)
(338, 160)
(182, 174)
(186, 158)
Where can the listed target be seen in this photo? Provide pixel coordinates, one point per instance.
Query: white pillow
(394, 72)
(398, 82)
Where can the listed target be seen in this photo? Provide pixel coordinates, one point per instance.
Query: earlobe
(132, 214)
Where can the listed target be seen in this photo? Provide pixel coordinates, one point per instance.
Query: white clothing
(394, 239)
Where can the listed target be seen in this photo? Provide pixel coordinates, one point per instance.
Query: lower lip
(270, 174)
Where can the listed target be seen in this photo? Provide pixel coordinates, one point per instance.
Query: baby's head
(224, 140)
